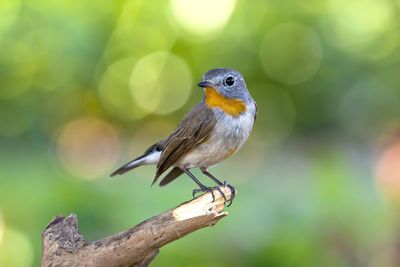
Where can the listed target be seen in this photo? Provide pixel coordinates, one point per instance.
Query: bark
(63, 245)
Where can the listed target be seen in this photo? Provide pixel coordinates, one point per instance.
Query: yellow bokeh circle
(291, 53)
(202, 17)
(160, 83)
(88, 147)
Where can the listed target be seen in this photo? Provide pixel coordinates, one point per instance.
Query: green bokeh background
(87, 85)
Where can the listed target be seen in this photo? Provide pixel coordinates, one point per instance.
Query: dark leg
(202, 187)
(233, 191)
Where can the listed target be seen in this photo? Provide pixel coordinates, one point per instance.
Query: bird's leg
(217, 181)
(233, 191)
(202, 187)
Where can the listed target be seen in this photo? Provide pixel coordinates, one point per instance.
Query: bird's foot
(220, 191)
(233, 192)
(211, 190)
(202, 190)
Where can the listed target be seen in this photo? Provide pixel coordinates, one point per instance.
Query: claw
(233, 193)
(222, 193)
(203, 189)
(194, 192)
(210, 189)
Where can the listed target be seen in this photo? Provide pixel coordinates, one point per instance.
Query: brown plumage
(212, 131)
(192, 131)
(172, 175)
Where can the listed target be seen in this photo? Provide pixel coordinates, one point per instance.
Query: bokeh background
(87, 85)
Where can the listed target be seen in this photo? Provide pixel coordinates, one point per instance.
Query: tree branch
(63, 245)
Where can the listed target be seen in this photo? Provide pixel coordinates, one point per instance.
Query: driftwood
(63, 245)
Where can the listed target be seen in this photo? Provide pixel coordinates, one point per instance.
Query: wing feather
(193, 130)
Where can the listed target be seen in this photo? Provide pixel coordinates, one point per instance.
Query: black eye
(229, 81)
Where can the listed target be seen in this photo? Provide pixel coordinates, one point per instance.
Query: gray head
(227, 82)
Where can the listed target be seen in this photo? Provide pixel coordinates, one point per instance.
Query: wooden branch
(63, 245)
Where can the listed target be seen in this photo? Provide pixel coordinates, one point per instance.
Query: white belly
(226, 138)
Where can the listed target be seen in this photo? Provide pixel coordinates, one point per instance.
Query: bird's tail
(150, 156)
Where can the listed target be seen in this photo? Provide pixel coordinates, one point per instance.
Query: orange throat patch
(214, 99)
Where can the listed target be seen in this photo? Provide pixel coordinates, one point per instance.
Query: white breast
(226, 138)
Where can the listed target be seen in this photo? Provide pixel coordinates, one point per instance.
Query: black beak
(205, 84)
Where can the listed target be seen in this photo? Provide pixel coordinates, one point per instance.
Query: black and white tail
(150, 156)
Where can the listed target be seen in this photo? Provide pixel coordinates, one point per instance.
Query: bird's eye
(229, 81)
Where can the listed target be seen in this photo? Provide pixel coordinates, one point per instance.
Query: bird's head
(225, 89)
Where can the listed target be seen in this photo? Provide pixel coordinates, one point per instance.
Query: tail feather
(129, 166)
(150, 156)
(172, 175)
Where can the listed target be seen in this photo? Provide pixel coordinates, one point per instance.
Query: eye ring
(230, 81)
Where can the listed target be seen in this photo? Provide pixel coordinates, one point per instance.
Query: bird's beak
(204, 84)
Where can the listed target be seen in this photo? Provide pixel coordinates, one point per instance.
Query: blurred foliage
(88, 85)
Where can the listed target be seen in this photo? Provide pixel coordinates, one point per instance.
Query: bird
(215, 129)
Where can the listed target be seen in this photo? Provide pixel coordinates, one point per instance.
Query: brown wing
(193, 130)
(172, 175)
